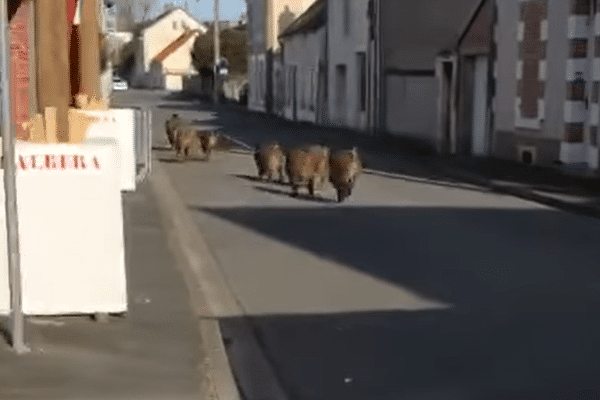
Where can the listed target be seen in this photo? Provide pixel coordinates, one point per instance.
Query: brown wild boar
(308, 166)
(186, 140)
(344, 168)
(270, 160)
(191, 138)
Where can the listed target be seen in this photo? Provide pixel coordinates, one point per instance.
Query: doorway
(446, 72)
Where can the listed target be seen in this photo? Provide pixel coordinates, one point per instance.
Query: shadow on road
(525, 286)
(300, 196)
(260, 180)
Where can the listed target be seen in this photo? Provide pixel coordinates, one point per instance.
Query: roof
(146, 24)
(312, 19)
(174, 45)
(414, 33)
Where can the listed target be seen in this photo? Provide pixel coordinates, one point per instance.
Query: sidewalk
(155, 351)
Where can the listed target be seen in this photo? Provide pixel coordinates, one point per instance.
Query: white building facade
(347, 35)
(304, 62)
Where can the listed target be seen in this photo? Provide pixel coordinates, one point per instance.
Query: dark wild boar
(208, 142)
(171, 126)
(344, 168)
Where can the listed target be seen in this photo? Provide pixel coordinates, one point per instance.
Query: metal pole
(217, 53)
(9, 166)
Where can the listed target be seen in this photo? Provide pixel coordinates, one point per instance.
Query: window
(174, 25)
(362, 80)
(346, 4)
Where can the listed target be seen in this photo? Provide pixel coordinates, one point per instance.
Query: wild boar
(344, 168)
(192, 138)
(186, 140)
(208, 141)
(270, 160)
(171, 126)
(308, 166)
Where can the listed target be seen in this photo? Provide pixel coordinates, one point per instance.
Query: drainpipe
(17, 320)
(217, 54)
(379, 73)
(370, 96)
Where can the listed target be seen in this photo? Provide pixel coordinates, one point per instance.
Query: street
(408, 290)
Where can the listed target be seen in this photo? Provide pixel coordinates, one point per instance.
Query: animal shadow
(182, 160)
(300, 196)
(170, 160)
(162, 148)
(260, 180)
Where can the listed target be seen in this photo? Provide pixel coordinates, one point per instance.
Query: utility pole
(216, 79)
(17, 321)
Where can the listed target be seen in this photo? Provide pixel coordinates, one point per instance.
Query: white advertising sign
(118, 124)
(70, 230)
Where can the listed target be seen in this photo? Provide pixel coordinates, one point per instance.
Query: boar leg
(294, 190)
(281, 177)
(311, 187)
(341, 194)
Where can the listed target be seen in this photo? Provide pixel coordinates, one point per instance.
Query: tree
(131, 11)
(234, 48)
(146, 8)
(168, 6)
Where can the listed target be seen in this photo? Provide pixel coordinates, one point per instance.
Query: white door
(479, 139)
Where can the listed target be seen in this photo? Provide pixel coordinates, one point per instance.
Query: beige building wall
(264, 28)
(277, 9)
(181, 60)
(164, 32)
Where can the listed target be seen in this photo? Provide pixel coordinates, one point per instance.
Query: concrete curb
(525, 194)
(217, 377)
(255, 375)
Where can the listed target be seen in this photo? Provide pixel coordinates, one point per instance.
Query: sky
(204, 9)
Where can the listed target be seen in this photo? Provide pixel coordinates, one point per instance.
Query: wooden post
(90, 49)
(53, 62)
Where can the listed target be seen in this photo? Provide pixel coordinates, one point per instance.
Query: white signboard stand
(71, 230)
(118, 124)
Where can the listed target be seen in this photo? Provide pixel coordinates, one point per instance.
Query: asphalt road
(409, 290)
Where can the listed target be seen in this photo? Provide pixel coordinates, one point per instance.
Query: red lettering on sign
(22, 163)
(50, 161)
(45, 162)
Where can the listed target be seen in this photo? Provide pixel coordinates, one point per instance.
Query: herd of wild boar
(310, 166)
(187, 138)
